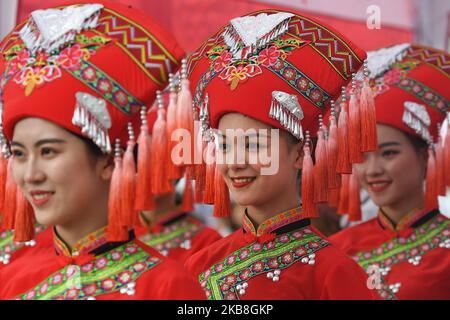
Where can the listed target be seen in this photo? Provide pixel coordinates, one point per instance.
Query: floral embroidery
(33, 71)
(85, 245)
(8, 246)
(268, 57)
(273, 223)
(238, 71)
(104, 275)
(174, 235)
(397, 76)
(424, 239)
(222, 280)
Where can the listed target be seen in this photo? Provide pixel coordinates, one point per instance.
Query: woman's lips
(379, 186)
(39, 198)
(241, 182)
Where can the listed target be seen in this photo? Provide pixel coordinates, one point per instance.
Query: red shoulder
(365, 234)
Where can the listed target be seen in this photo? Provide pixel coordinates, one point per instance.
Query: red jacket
(283, 259)
(413, 257)
(96, 269)
(179, 237)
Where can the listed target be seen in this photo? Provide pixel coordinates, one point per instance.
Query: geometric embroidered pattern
(336, 51)
(301, 83)
(107, 87)
(325, 42)
(424, 93)
(424, 239)
(107, 273)
(221, 280)
(139, 44)
(440, 60)
(172, 236)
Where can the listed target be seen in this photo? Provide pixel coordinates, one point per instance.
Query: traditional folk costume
(411, 88)
(91, 69)
(11, 250)
(177, 234)
(281, 69)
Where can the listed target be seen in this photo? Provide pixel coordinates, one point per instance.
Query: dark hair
(92, 148)
(418, 144)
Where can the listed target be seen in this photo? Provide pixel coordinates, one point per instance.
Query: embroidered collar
(413, 219)
(95, 244)
(277, 224)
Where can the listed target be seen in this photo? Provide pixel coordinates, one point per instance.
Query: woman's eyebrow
(388, 144)
(39, 143)
(259, 135)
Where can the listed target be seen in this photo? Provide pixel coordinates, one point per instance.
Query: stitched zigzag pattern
(439, 59)
(139, 45)
(331, 47)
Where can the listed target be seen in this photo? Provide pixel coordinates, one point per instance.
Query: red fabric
(311, 58)
(192, 21)
(430, 279)
(168, 280)
(43, 239)
(334, 276)
(429, 70)
(47, 99)
(205, 237)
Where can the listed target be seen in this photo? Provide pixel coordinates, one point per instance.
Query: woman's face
(60, 177)
(245, 177)
(394, 174)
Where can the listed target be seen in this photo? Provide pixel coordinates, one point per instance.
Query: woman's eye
(389, 153)
(47, 151)
(17, 153)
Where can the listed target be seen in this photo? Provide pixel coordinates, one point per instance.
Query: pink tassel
(320, 169)
(185, 113)
(354, 131)
(354, 200)
(334, 180)
(117, 230)
(144, 197)
(309, 207)
(188, 197)
(128, 180)
(25, 220)
(343, 164)
(10, 198)
(222, 204)
(369, 140)
(174, 172)
(208, 196)
(160, 181)
(344, 195)
(431, 197)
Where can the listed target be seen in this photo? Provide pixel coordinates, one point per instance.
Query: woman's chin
(45, 218)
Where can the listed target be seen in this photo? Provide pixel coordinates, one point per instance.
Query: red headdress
(90, 68)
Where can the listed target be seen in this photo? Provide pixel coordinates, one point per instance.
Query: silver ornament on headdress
(245, 35)
(49, 30)
(417, 118)
(287, 110)
(92, 116)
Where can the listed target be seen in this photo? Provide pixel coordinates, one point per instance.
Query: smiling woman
(264, 86)
(66, 183)
(64, 104)
(408, 242)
